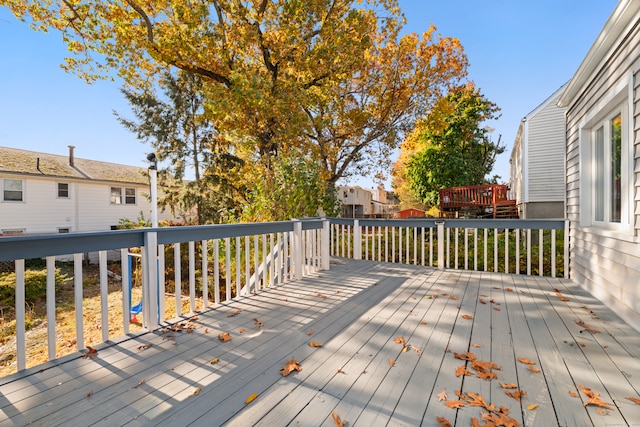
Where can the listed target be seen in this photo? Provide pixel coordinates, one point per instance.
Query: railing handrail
(509, 223)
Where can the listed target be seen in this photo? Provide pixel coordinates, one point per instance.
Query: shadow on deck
(361, 374)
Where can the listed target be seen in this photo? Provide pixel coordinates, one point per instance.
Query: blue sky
(519, 51)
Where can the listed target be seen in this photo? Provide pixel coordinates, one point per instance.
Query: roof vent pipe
(71, 159)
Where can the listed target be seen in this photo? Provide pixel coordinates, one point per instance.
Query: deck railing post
(296, 256)
(441, 239)
(357, 239)
(566, 249)
(150, 281)
(325, 245)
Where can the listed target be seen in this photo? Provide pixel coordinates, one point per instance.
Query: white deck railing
(508, 245)
(244, 258)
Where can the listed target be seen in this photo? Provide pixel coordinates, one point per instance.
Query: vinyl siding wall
(88, 207)
(546, 145)
(605, 262)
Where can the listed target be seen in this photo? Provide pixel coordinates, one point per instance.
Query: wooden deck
(355, 310)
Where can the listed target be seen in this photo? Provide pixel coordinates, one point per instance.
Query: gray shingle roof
(18, 161)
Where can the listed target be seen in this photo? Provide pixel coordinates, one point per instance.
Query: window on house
(130, 196)
(64, 230)
(12, 190)
(607, 173)
(117, 197)
(12, 232)
(63, 190)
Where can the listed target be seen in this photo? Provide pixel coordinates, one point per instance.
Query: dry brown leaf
(508, 289)
(235, 313)
(337, 420)
(496, 308)
(91, 353)
(144, 346)
(601, 411)
(586, 328)
(257, 322)
(391, 362)
(90, 394)
(534, 369)
(443, 422)
(486, 375)
(242, 330)
(423, 322)
(251, 398)
(442, 395)
(453, 297)
(214, 360)
(573, 393)
(224, 336)
(634, 400)
(526, 361)
(594, 398)
(517, 394)
(510, 385)
(482, 301)
(139, 383)
(461, 370)
(314, 344)
(467, 316)
(475, 345)
(454, 404)
(532, 407)
(476, 400)
(310, 332)
(560, 296)
(196, 391)
(465, 356)
(292, 365)
(497, 419)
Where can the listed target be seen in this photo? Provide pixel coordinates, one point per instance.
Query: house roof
(616, 26)
(17, 161)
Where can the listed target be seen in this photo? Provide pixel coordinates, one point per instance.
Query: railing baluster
(399, 245)
(205, 274)
(192, 276)
(517, 233)
(104, 295)
(77, 291)
(495, 250)
(161, 284)
(227, 268)
(21, 343)
(247, 265)
(177, 278)
(455, 233)
(393, 244)
(415, 246)
(51, 306)
(475, 249)
(541, 252)
(466, 248)
(553, 253)
(216, 271)
(506, 250)
(431, 246)
(238, 262)
(448, 240)
(528, 252)
(486, 253)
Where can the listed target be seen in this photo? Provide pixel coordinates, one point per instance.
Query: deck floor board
(355, 310)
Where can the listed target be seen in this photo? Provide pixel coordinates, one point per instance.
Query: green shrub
(35, 282)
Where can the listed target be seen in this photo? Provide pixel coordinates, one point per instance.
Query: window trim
(617, 100)
(58, 196)
(22, 190)
(123, 197)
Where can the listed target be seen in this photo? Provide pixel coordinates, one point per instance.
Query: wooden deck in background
(355, 310)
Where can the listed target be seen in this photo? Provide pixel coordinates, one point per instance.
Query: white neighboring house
(603, 164)
(355, 201)
(537, 161)
(47, 193)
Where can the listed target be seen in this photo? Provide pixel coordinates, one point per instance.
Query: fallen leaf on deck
(196, 391)
(560, 296)
(206, 330)
(251, 398)
(314, 344)
(401, 340)
(242, 330)
(517, 395)
(453, 297)
(482, 301)
(309, 332)
(91, 353)
(475, 345)
(467, 316)
(224, 336)
(496, 308)
(465, 356)
(235, 313)
(139, 384)
(634, 400)
(292, 365)
(601, 411)
(337, 420)
(510, 385)
(573, 393)
(90, 394)
(391, 362)
(534, 369)
(586, 328)
(508, 289)
(526, 360)
(594, 398)
(423, 322)
(454, 404)
(442, 395)
(462, 370)
(496, 419)
(476, 400)
(257, 322)
(215, 360)
(532, 407)
(144, 346)
(443, 422)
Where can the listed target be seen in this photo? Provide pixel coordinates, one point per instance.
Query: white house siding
(516, 168)
(546, 145)
(606, 263)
